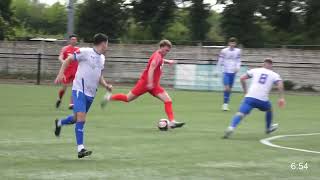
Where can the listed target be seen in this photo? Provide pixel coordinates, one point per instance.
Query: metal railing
(40, 66)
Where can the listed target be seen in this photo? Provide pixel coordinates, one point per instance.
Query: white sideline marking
(267, 142)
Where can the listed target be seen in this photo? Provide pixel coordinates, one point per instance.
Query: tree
(56, 19)
(136, 32)
(313, 21)
(30, 14)
(105, 16)
(214, 33)
(178, 30)
(154, 14)
(199, 26)
(283, 14)
(239, 20)
(36, 18)
(6, 19)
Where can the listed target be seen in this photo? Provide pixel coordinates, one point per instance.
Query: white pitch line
(267, 142)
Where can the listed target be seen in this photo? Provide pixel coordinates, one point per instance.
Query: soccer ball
(163, 124)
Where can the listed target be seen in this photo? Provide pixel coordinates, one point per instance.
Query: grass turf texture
(127, 145)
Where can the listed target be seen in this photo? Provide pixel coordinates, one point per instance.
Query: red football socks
(168, 108)
(119, 97)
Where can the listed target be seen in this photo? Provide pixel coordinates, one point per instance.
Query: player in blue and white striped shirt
(88, 77)
(258, 95)
(230, 59)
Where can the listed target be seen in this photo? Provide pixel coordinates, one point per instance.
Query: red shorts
(69, 77)
(141, 88)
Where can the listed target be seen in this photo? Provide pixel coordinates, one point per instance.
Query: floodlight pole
(70, 24)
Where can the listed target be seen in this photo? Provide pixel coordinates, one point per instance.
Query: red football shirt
(156, 56)
(66, 51)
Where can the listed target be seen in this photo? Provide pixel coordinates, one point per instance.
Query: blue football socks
(67, 121)
(268, 119)
(79, 128)
(226, 97)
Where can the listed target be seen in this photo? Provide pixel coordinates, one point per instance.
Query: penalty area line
(267, 141)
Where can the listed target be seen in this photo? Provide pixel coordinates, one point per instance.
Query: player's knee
(227, 88)
(168, 99)
(240, 114)
(81, 120)
(130, 97)
(164, 97)
(81, 117)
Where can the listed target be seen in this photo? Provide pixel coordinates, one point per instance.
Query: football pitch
(127, 145)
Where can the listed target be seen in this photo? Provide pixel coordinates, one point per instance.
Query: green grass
(127, 144)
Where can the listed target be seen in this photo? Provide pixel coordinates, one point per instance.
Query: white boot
(272, 128)
(106, 99)
(225, 107)
(228, 132)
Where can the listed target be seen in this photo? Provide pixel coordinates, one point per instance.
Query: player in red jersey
(150, 82)
(71, 70)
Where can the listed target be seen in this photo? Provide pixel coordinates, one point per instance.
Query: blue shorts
(249, 103)
(81, 102)
(228, 79)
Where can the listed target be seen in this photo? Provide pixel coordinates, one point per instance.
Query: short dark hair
(268, 60)
(99, 38)
(232, 39)
(72, 35)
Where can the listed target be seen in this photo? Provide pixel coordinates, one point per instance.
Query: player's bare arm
(170, 61)
(64, 65)
(104, 84)
(61, 55)
(243, 79)
(153, 66)
(281, 101)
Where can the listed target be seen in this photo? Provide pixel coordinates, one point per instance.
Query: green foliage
(313, 21)
(199, 26)
(38, 19)
(239, 21)
(154, 14)
(5, 11)
(256, 23)
(6, 19)
(271, 36)
(272, 21)
(5, 29)
(282, 14)
(30, 14)
(214, 33)
(56, 18)
(178, 30)
(105, 16)
(136, 32)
